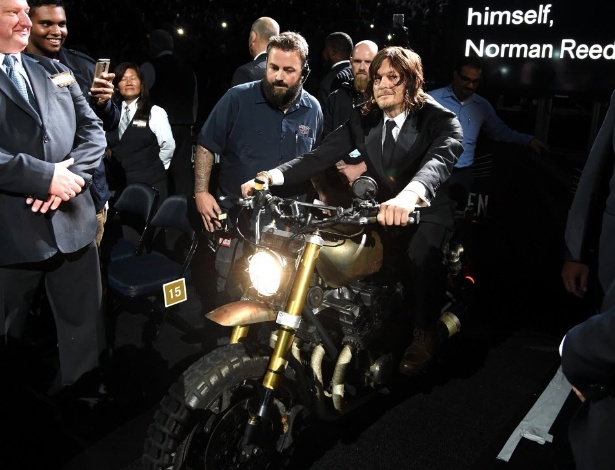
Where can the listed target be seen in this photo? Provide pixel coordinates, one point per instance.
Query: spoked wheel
(201, 423)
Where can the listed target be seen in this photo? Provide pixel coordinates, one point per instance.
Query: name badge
(139, 123)
(62, 79)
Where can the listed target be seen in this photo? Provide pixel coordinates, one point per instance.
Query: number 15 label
(174, 292)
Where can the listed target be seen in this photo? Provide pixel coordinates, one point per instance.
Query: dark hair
(469, 61)
(160, 40)
(340, 41)
(34, 4)
(408, 64)
(144, 105)
(290, 41)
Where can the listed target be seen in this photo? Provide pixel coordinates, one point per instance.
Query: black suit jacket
(339, 105)
(329, 83)
(588, 362)
(591, 219)
(428, 145)
(252, 71)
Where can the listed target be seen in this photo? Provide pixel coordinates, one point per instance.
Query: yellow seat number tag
(174, 292)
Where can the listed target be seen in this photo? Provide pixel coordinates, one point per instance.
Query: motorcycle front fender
(242, 312)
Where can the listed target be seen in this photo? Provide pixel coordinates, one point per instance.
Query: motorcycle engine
(356, 312)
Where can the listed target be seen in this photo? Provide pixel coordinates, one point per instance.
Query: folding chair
(128, 232)
(139, 279)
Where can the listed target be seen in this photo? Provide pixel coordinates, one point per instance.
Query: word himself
(517, 17)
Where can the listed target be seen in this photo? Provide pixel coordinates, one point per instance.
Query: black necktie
(389, 144)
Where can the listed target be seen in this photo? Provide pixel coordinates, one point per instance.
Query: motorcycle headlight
(266, 270)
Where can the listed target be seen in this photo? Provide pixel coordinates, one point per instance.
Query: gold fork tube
(286, 334)
(239, 332)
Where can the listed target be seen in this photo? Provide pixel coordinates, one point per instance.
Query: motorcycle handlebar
(360, 213)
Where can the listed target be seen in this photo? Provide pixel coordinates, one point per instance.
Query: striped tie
(125, 120)
(15, 76)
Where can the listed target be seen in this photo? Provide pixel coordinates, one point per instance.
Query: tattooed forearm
(203, 164)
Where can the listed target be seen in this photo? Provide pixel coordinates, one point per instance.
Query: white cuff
(417, 188)
(277, 177)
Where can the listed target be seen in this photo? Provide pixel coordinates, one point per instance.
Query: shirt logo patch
(354, 154)
(304, 130)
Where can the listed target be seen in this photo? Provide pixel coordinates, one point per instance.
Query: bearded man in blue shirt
(255, 125)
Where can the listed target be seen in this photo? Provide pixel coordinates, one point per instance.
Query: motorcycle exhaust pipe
(448, 325)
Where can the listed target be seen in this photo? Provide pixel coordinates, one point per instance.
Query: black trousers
(73, 286)
(418, 253)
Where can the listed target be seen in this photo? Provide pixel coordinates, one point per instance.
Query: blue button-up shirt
(476, 114)
(250, 135)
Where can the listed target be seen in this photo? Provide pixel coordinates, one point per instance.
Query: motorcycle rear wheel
(200, 423)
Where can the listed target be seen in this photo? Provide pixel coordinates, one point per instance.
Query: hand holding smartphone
(102, 66)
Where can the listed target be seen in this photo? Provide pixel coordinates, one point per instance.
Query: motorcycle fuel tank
(344, 260)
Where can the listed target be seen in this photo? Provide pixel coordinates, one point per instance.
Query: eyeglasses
(466, 79)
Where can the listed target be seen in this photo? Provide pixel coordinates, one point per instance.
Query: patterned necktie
(125, 120)
(15, 76)
(389, 144)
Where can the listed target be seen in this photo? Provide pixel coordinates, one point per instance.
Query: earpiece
(305, 72)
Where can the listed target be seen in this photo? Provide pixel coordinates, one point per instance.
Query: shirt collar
(399, 119)
(340, 62)
(17, 57)
(449, 93)
(132, 106)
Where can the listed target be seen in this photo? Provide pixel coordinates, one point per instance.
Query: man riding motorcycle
(427, 143)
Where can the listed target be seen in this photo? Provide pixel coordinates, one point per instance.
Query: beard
(360, 82)
(280, 98)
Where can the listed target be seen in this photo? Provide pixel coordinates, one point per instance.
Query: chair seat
(143, 275)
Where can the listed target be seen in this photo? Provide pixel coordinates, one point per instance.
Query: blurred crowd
(214, 32)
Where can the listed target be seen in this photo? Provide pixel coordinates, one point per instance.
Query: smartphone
(102, 66)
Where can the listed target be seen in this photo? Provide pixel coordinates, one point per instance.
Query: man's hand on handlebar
(397, 211)
(247, 189)
(209, 210)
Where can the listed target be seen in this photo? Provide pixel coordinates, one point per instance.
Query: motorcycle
(316, 273)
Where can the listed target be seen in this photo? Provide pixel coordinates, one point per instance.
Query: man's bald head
(261, 31)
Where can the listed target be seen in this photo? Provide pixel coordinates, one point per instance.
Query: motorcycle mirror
(365, 188)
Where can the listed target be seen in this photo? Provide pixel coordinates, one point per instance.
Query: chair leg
(111, 322)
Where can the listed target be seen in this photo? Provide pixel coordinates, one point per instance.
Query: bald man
(333, 185)
(339, 103)
(260, 33)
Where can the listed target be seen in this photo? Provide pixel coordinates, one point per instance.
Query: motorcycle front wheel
(201, 422)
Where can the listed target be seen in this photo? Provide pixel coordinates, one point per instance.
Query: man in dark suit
(49, 32)
(591, 219)
(173, 86)
(262, 29)
(588, 350)
(50, 144)
(588, 362)
(336, 53)
(427, 143)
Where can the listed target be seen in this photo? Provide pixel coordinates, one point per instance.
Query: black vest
(137, 154)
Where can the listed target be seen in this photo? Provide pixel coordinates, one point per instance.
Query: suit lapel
(373, 145)
(405, 140)
(13, 94)
(40, 84)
